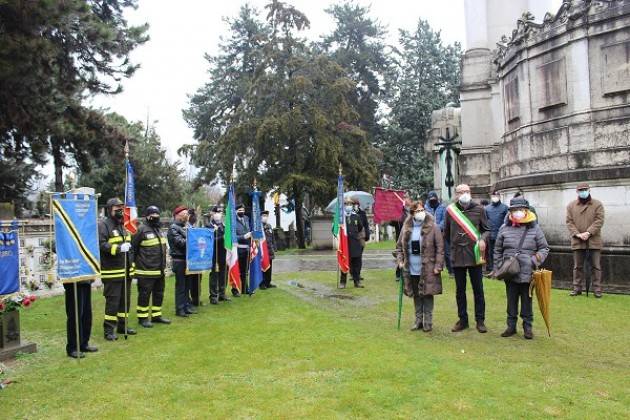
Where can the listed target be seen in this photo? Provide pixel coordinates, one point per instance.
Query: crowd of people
(465, 237)
(143, 256)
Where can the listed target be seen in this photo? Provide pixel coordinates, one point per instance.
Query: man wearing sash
(466, 228)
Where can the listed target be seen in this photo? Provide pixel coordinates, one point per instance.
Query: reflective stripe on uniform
(114, 249)
(142, 314)
(148, 272)
(150, 242)
(110, 318)
(122, 315)
(113, 274)
(142, 308)
(157, 313)
(115, 240)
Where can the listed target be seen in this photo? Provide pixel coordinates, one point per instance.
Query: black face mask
(119, 214)
(153, 221)
(240, 214)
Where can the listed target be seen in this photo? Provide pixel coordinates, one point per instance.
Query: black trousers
(84, 307)
(182, 293)
(150, 288)
(355, 270)
(515, 291)
(217, 282)
(116, 309)
(243, 265)
(476, 280)
(398, 229)
(193, 282)
(267, 275)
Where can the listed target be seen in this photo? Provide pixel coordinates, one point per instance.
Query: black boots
(144, 322)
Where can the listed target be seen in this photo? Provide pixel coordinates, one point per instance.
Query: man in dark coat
(271, 248)
(354, 230)
(463, 255)
(218, 276)
(243, 237)
(194, 280)
(496, 212)
(366, 226)
(177, 243)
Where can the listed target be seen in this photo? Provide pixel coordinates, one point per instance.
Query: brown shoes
(459, 326)
(481, 327)
(528, 334)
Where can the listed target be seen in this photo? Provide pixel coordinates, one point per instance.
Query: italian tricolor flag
(339, 230)
(234, 274)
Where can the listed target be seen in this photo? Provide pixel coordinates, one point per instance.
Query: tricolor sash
(467, 226)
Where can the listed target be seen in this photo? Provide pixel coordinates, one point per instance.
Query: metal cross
(449, 144)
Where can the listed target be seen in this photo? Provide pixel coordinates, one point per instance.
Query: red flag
(388, 205)
(265, 261)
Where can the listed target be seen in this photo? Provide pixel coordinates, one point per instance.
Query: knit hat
(432, 194)
(179, 209)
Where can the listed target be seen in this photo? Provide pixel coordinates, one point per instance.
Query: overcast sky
(172, 63)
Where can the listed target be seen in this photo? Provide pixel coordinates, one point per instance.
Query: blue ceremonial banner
(9, 258)
(76, 237)
(257, 230)
(255, 268)
(199, 250)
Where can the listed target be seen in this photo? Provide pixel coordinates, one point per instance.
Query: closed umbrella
(365, 200)
(541, 283)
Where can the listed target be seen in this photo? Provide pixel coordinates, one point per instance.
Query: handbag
(511, 267)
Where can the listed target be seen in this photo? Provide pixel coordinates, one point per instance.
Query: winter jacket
(149, 250)
(177, 240)
(533, 252)
(462, 246)
(432, 252)
(496, 213)
(586, 217)
(111, 235)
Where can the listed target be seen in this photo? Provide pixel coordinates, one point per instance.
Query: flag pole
(249, 249)
(125, 236)
(338, 235)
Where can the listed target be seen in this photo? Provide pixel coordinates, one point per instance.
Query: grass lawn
(383, 245)
(293, 352)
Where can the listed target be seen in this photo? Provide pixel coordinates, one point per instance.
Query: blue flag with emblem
(199, 250)
(9, 258)
(76, 236)
(255, 267)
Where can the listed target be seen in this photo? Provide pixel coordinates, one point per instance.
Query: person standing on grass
(420, 256)
(366, 228)
(466, 228)
(218, 275)
(355, 244)
(177, 243)
(521, 228)
(194, 280)
(243, 236)
(585, 219)
(271, 248)
(437, 209)
(84, 306)
(398, 224)
(149, 250)
(496, 212)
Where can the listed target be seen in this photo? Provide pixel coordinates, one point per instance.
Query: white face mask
(465, 198)
(518, 214)
(217, 217)
(419, 216)
(349, 209)
(264, 219)
(495, 199)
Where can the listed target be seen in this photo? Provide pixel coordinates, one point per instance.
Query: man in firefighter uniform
(115, 246)
(149, 253)
(218, 276)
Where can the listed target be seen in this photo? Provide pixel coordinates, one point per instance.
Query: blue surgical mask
(584, 194)
(349, 209)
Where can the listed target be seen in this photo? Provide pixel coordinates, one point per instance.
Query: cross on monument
(448, 144)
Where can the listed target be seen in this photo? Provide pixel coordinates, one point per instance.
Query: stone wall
(551, 108)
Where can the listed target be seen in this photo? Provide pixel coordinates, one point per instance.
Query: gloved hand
(247, 235)
(125, 247)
